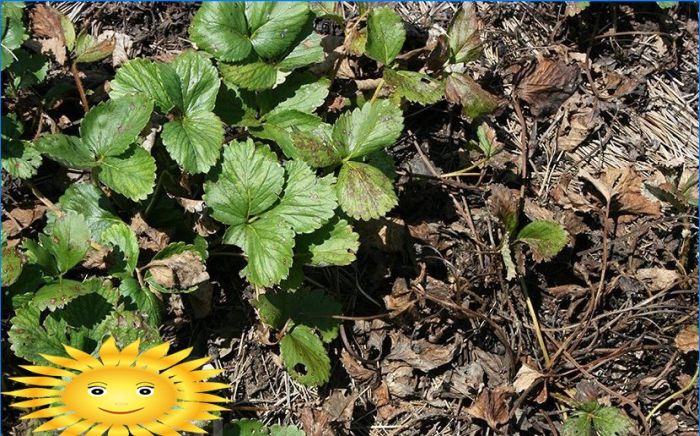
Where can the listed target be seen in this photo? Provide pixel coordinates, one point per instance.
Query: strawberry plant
(241, 122)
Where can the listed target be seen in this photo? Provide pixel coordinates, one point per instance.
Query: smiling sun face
(122, 392)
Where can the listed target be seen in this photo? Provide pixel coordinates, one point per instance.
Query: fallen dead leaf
(180, 271)
(419, 354)
(316, 422)
(46, 25)
(669, 424)
(492, 406)
(21, 218)
(354, 368)
(526, 377)
(687, 339)
(657, 279)
(622, 187)
(564, 290)
(401, 298)
(578, 126)
(340, 407)
(465, 380)
(149, 237)
(546, 85)
(122, 46)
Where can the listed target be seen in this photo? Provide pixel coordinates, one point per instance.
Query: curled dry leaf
(546, 85)
(354, 368)
(149, 237)
(526, 377)
(687, 339)
(492, 406)
(181, 271)
(503, 204)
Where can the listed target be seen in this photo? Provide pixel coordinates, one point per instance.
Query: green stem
(377, 91)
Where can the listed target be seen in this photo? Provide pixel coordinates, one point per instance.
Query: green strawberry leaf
(374, 126)
(194, 141)
(88, 200)
(415, 87)
(274, 26)
(254, 76)
(141, 299)
(199, 82)
(385, 35)
(333, 244)
(68, 150)
(311, 308)
(68, 242)
(125, 248)
(309, 51)
(11, 265)
(304, 356)
(20, 158)
(250, 183)
(268, 244)
(308, 201)
(545, 238)
(88, 49)
(28, 70)
(220, 28)
(305, 99)
(131, 174)
(13, 31)
(57, 294)
(592, 418)
(157, 81)
(463, 34)
(364, 192)
(110, 127)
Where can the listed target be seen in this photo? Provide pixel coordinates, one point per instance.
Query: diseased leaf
(220, 28)
(199, 82)
(374, 126)
(57, 294)
(545, 238)
(304, 356)
(11, 265)
(250, 183)
(182, 271)
(312, 144)
(68, 150)
(308, 201)
(463, 33)
(333, 244)
(462, 89)
(20, 158)
(414, 86)
(311, 308)
(268, 243)
(274, 26)
(194, 141)
(503, 204)
(110, 127)
(157, 81)
(125, 251)
(364, 192)
(131, 174)
(68, 242)
(254, 76)
(385, 35)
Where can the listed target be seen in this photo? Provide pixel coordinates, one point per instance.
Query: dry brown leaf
(669, 424)
(401, 298)
(46, 22)
(564, 290)
(657, 279)
(399, 379)
(354, 368)
(340, 407)
(503, 204)
(420, 354)
(623, 188)
(50, 46)
(687, 339)
(465, 380)
(547, 84)
(492, 406)
(180, 271)
(149, 237)
(578, 126)
(526, 377)
(97, 259)
(22, 216)
(316, 422)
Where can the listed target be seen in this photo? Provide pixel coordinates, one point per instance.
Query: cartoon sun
(121, 393)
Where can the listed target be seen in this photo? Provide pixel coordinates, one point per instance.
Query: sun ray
(39, 381)
(160, 429)
(34, 393)
(152, 356)
(139, 431)
(37, 402)
(97, 430)
(49, 412)
(48, 370)
(82, 356)
(59, 422)
(109, 353)
(66, 363)
(121, 392)
(77, 428)
(118, 430)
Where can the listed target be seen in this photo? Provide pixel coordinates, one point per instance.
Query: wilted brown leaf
(180, 271)
(476, 102)
(316, 422)
(525, 378)
(149, 237)
(503, 204)
(578, 126)
(420, 354)
(46, 22)
(546, 85)
(354, 368)
(622, 187)
(401, 298)
(687, 339)
(492, 406)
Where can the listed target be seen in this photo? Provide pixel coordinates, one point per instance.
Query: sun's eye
(97, 391)
(145, 391)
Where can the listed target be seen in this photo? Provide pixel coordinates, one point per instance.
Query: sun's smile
(120, 413)
(121, 392)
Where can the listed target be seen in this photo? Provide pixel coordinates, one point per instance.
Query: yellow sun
(122, 392)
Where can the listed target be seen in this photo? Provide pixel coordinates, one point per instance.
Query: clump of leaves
(253, 427)
(591, 418)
